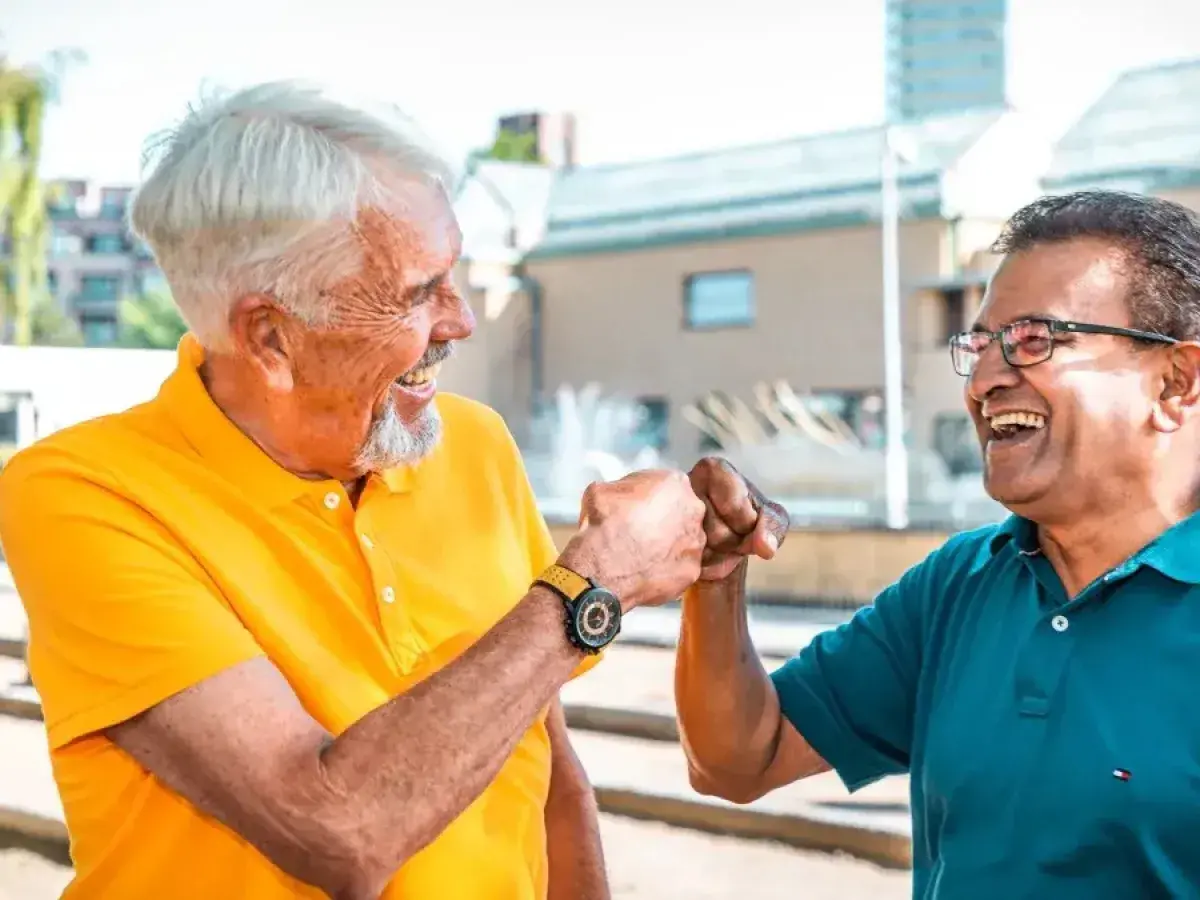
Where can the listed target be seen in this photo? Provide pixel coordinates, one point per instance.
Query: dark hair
(1160, 238)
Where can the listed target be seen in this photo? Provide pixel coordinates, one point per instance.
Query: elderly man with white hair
(297, 624)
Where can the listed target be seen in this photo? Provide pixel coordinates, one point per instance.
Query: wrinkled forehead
(1078, 280)
(408, 239)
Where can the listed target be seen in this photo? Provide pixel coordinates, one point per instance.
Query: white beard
(391, 443)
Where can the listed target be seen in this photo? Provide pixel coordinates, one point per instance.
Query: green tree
(513, 146)
(25, 92)
(50, 326)
(150, 321)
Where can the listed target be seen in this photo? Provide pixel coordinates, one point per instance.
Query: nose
(456, 320)
(991, 373)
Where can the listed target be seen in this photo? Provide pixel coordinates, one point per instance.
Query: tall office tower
(945, 56)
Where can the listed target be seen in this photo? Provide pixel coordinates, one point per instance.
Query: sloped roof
(1142, 133)
(494, 197)
(814, 181)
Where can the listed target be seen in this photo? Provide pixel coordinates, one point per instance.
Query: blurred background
(689, 229)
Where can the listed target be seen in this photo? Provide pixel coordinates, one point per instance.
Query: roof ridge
(852, 131)
(1160, 66)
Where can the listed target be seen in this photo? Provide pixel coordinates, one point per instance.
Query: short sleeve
(121, 617)
(851, 693)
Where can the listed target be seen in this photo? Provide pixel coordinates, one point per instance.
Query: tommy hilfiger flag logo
(1122, 774)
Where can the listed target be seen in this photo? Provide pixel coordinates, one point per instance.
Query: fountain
(801, 452)
(582, 437)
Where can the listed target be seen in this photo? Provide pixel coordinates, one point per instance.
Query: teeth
(420, 376)
(1018, 419)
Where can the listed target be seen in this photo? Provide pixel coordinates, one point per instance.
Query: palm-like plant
(25, 91)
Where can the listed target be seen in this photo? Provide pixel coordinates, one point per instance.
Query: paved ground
(777, 631)
(646, 861)
(24, 876)
(641, 678)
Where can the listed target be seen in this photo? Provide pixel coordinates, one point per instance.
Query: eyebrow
(427, 285)
(980, 328)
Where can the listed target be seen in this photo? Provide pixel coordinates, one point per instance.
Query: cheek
(1109, 410)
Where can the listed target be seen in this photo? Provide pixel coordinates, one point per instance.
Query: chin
(392, 442)
(1019, 495)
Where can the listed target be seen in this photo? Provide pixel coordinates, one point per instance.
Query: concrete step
(636, 766)
(30, 814)
(632, 777)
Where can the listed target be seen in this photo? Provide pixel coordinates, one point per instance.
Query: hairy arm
(572, 822)
(738, 744)
(344, 814)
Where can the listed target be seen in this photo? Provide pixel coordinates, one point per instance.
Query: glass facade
(945, 57)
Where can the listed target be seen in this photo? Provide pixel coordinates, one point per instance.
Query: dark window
(653, 424)
(107, 243)
(955, 441)
(718, 299)
(94, 288)
(954, 312)
(98, 331)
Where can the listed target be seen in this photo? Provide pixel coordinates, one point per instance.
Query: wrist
(583, 561)
(728, 586)
(552, 616)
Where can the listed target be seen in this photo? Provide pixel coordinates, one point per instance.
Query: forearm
(729, 712)
(407, 769)
(575, 854)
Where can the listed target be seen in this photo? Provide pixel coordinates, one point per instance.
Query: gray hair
(258, 192)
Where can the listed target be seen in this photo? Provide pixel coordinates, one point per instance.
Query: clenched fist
(640, 537)
(739, 521)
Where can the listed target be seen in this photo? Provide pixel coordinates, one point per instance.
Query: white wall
(68, 385)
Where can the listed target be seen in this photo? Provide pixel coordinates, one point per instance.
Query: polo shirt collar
(1175, 553)
(228, 450)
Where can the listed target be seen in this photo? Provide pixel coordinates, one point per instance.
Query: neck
(237, 397)
(1084, 547)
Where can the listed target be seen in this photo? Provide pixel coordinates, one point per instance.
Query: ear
(262, 334)
(1179, 400)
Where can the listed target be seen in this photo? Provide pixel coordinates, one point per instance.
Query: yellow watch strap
(565, 581)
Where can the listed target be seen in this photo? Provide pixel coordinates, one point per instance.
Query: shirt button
(367, 542)
(332, 500)
(1059, 623)
(389, 595)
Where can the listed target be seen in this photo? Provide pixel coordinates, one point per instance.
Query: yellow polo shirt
(157, 547)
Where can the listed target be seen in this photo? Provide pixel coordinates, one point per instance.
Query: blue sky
(646, 77)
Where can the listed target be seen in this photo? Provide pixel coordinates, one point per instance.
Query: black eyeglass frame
(1055, 326)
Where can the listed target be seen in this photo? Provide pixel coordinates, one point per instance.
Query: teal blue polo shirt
(1053, 744)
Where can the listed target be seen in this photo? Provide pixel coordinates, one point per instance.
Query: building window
(93, 288)
(955, 441)
(653, 424)
(108, 243)
(953, 308)
(113, 203)
(98, 331)
(718, 299)
(63, 243)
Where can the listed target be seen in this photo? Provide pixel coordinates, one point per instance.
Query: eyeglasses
(1028, 342)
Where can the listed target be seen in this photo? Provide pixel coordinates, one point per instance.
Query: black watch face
(598, 618)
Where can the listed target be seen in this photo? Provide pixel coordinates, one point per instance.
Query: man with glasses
(1037, 678)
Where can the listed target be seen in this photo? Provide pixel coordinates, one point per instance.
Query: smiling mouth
(1014, 426)
(418, 377)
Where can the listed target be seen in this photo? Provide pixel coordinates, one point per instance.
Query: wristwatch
(593, 613)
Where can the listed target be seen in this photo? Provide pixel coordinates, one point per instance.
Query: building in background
(665, 280)
(1141, 135)
(553, 135)
(93, 261)
(945, 56)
